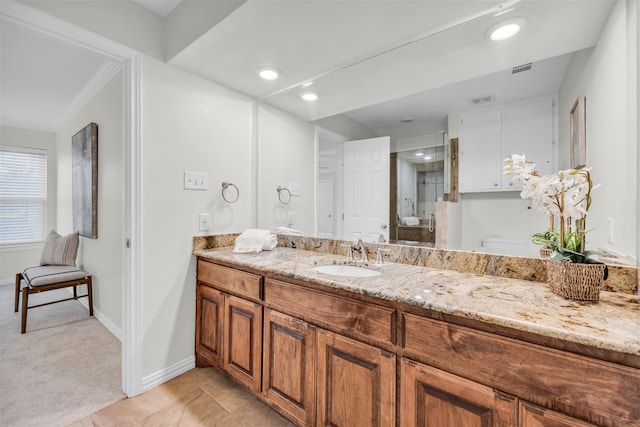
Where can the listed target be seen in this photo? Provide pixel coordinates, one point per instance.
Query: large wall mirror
(456, 71)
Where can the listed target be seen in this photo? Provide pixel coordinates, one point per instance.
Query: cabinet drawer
(593, 390)
(227, 279)
(343, 315)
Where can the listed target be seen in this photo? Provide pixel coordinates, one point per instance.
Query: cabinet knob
(511, 184)
(495, 184)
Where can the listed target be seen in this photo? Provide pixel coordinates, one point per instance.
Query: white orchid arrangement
(566, 196)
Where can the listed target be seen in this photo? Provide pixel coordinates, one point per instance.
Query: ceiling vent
(521, 68)
(481, 99)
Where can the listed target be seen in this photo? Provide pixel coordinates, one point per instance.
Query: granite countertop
(612, 324)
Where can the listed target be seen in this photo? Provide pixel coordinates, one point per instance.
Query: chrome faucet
(358, 245)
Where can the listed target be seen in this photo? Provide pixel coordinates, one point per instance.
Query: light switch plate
(295, 188)
(196, 180)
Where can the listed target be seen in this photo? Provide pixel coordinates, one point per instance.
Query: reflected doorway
(417, 183)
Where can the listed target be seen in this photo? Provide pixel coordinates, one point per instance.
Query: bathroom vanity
(414, 345)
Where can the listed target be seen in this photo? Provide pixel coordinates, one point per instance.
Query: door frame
(333, 208)
(129, 60)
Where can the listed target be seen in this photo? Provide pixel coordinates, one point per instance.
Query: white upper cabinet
(481, 151)
(487, 137)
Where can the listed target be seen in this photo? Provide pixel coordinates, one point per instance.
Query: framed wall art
(577, 134)
(84, 181)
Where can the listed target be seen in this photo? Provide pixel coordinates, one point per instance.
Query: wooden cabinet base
(325, 359)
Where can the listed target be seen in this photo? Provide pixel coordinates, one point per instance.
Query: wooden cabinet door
(430, 397)
(356, 383)
(242, 341)
(209, 310)
(535, 416)
(288, 367)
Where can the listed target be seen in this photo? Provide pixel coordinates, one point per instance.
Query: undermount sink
(346, 270)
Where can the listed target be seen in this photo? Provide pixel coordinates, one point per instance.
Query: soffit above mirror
(457, 54)
(354, 47)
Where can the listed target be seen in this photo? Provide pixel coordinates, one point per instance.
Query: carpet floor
(66, 367)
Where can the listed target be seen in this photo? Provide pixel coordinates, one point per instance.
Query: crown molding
(101, 78)
(27, 125)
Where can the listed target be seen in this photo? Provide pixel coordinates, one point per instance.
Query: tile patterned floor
(200, 397)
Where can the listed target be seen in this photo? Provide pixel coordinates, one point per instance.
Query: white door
(325, 208)
(366, 188)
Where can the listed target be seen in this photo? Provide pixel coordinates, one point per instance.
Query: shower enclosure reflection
(417, 183)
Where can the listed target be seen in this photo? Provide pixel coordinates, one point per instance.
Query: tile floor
(200, 397)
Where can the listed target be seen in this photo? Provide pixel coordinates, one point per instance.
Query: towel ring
(280, 190)
(225, 185)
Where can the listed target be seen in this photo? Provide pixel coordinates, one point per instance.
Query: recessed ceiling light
(427, 157)
(420, 153)
(269, 73)
(309, 95)
(506, 29)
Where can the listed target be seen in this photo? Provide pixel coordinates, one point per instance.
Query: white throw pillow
(60, 250)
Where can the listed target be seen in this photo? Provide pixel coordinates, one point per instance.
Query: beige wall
(286, 154)
(15, 259)
(609, 118)
(102, 257)
(188, 123)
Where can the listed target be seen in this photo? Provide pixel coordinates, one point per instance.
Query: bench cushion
(49, 274)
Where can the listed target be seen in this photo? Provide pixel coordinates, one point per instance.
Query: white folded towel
(411, 220)
(270, 242)
(255, 240)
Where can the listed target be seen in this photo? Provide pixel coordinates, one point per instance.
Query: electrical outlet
(204, 221)
(291, 218)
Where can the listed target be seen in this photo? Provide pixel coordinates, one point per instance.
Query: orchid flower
(566, 194)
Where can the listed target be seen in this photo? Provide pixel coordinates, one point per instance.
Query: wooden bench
(47, 278)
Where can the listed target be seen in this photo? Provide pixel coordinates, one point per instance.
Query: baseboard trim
(106, 322)
(168, 373)
(10, 281)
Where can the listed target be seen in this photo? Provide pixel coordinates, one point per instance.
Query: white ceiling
(357, 53)
(429, 109)
(44, 80)
(159, 7)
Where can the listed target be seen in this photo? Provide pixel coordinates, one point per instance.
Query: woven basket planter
(545, 253)
(581, 282)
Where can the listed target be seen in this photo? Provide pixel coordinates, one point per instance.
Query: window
(23, 195)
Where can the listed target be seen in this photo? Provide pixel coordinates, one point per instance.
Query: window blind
(23, 195)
